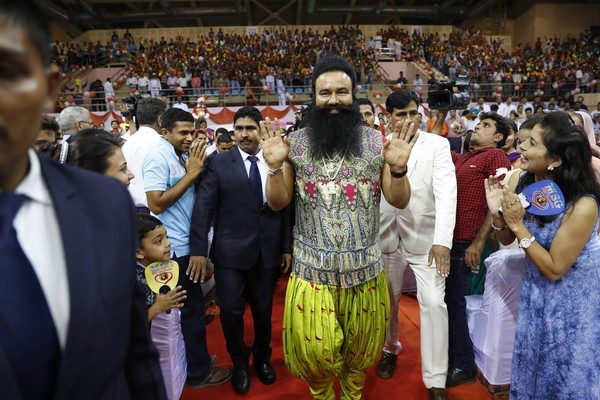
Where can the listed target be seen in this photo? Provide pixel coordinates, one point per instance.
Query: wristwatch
(525, 243)
(399, 174)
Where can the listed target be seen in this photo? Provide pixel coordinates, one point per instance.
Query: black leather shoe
(240, 380)
(437, 394)
(459, 376)
(266, 373)
(386, 365)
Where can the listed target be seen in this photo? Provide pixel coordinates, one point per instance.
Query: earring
(550, 168)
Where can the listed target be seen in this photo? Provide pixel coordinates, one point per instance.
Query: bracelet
(275, 171)
(494, 227)
(399, 174)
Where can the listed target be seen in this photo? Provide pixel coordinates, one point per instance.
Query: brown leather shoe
(437, 394)
(386, 365)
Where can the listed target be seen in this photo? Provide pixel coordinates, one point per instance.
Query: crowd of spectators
(225, 60)
(71, 57)
(556, 65)
(280, 60)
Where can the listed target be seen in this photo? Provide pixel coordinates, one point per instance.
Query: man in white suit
(421, 236)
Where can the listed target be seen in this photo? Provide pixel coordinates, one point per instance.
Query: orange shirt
(431, 124)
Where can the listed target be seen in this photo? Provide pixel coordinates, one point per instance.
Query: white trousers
(433, 313)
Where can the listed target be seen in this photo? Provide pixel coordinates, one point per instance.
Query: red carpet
(406, 383)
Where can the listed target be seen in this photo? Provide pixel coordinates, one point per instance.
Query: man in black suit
(250, 241)
(72, 318)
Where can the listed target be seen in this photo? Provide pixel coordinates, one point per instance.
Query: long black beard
(330, 134)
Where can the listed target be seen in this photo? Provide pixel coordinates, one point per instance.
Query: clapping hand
(196, 158)
(493, 194)
(512, 210)
(397, 150)
(275, 145)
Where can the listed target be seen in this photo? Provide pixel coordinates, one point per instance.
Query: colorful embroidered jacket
(337, 213)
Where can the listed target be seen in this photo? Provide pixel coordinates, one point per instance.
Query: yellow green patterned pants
(330, 331)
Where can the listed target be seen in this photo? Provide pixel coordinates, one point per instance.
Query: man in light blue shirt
(170, 172)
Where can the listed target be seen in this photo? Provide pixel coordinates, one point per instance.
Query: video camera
(131, 102)
(449, 95)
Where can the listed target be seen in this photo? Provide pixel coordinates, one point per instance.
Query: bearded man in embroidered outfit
(337, 303)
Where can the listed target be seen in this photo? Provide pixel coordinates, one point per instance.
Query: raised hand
(493, 195)
(512, 210)
(275, 145)
(197, 157)
(397, 151)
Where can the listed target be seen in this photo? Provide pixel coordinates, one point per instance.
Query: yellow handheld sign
(163, 273)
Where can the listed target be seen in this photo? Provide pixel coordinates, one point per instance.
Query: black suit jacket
(109, 353)
(243, 229)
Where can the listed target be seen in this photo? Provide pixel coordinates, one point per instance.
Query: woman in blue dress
(557, 345)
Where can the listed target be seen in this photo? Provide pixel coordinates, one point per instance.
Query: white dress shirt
(262, 168)
(143, 81)
(135, 150)
(38, 234)
(109, 91)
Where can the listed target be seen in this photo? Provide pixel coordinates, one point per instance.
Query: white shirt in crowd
(109, 91)
(418, 84)
(131, 81)
(143, 81)
(172, 82)
(182, 106)
(505, 109)
(135, 150)
(182, 82)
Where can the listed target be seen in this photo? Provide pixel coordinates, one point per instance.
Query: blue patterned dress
(557, 346)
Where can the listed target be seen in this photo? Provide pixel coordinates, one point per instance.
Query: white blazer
(431, 213)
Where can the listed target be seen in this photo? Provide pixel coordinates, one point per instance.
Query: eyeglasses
(89, 123)
(412, 113)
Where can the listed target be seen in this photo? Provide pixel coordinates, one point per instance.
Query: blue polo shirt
(162, 169)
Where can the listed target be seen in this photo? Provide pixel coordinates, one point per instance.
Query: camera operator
(473, 221)
(473, 226)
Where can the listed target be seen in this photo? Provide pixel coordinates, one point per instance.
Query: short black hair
(199, 121)
(30, 17)
(92, 149)
(173, 116)
(513, 125)
(146, 223)
(50, 124)
(333, 63)
(502, 126)
(250, 112)
(494, 107)
(401, 99)
(221, 131)
(148, 110)
(224, 138)
(366, 102)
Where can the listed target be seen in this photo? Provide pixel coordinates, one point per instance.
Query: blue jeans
(461, 354)
(193, 325)
(456, 144)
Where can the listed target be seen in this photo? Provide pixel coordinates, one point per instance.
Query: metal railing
(264, 95)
